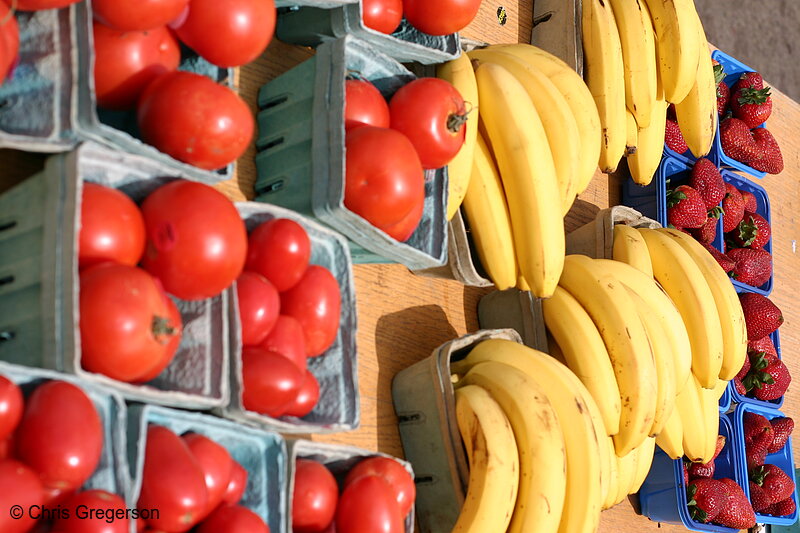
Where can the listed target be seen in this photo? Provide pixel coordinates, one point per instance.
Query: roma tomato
(196, 240)
(259, 305)
(195, 120)
(94, 500)
(233, 519)
(287, 338)
(125, 62)
(11, 404)
(127, 326)
(279, 250)
(174, 317)
(396, 476)
(60, 435)
(316, 303)
(431, 113)
(440, 17)
(137, 15)
(270, 381)
(9, 41)
(172, 482)
(236, 485)
(229, 33)
(368, 505)
(112, 227)
(216, 464)
(364, 105)
(19, 485)
(382, 15)
(307, 397)
(38, 5)
(403, 230)
(314, 498)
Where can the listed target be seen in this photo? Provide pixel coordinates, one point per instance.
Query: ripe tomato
(259, 305)
(124, 307)
(368, 504)
(403, 230)
(112, 227)
(125, 62)
(9, 41)
(314, 498)
(217, 466)
(55, 497)
(195, 120)
(229, 33)
(196, 240)
(173, 317)
(7, 447)
(383, 176)
(316, 303)
(287, 338)
(19, 485)
(307, 397)
(94, 500)
(11, 404)
(431, 113)
(137, 15)
(236, 485)
(382, 15)
(270, 381)
(38, 5)
(233, 519)
(172, 482)
(279, 250)
(60, 435)
(394, 473)
(440, 17)
(364, 105)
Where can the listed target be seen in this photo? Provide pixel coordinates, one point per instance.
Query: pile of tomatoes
(377, 494)
(434, 17)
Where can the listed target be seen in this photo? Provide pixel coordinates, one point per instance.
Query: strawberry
(745, 369)
(685, 207)
(772, 382)
(761, 316)
(698, 470)
(751, 105)
(749, 79)
(775, 482)
(772, 160)
(707, 232)
(758, 433)
(755, 455)
(753, 265)
(724, 261)
(752, 231)
(737, 383)
(781, 508)
(674, 138)
(723, 91)
(750, 203)
(732, 207)
(707, 180)
(782, 427)
(737, 513)
(706, 498)
(759, 498)
(763, 347)
(685, 474)
(738, 142)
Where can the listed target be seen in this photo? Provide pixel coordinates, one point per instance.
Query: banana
(677, 45)
(638, 57)
(719, 389)
(613, 313)
(460, 73)
(650, 143)
(671, 437)
(611, 495)
(584, 352)
(629, 247)
(519, 144)
(683, 280)
(731, 316)
(578, 418)
(577, 95)
(626, 467)
(557, 118)
(631, 134)
(487, 213)
(521, 283)
(643, 463)
(710, 410)
(690, 406)
(493, 463)
(540, 442)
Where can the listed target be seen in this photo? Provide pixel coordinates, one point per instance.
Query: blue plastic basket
(725, 400)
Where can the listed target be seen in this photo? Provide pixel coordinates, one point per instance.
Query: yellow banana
(629, 247)
(671, 437)
(710, 410)
(611, 495)
(626, 468)
(643, 463)
(631, 133)
(697, 113)
(650, 143)
(690, 405)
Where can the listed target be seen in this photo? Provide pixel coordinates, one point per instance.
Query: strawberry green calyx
(748, 95)
(758, 474)
(748, 231)
(716, 212)
(695, 512)
(719, 73)
(674, 197)
(757, 377)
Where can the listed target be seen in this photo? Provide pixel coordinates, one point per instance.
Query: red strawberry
(707, 232)
(764, 347)
(772, 160)
(723, 91)
(732, 207)
(737, 513)
(737, 382)
(724, 261)
(781, 508)
(706, 498)
(749, 79)
(674, 138)
(753, 265)
(757, 375)
(782, 427)
(685, 207)
(698, 470)
(759, 498)
(685, 474)
(707, 180)
(758, 433)
(755, 455)
(745, 369)
(752, 231)
(750, 203)
(775, 482)
(761, 316)
(753, 106)
(738, 142)
(774, 380)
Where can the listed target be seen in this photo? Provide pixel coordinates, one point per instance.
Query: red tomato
(174, 317)
(172, 482)
(7, 447)
(279, 250)
(19, 485)
(217, 466)
(11, 404)
(126, 323)
(382, 15)
(307, 397)
(364, 105)
(195, 120)
(233, 519)
(60, 435)
(112, 227)
(237, 484)
(393, 472)
(9, 41)
(259, 305)
(384, 177)
(196, 240)
(270, 381)
(38, 5)
(287, 338)
(137, 15)
(55, 497)
(229, 33)
(125, 62)
(440, 17)
(94, 501)
(316, 303)
(431, 113)
(368, 505)
(403, 230)
(314, 498)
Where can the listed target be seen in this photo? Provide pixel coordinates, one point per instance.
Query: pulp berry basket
(301, 159)
(783, 459)
(772, 404)
(336, 369)
(39, 283)
(261, 453)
